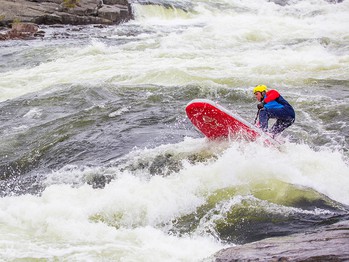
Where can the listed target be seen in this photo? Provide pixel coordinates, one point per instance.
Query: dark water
(90, 126)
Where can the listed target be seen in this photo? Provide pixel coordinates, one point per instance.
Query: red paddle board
(216, 122)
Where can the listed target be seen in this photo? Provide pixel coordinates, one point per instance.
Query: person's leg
(284, 118)
(280, 125)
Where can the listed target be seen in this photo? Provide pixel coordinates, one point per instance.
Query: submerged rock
(330, 243)
(21, 31)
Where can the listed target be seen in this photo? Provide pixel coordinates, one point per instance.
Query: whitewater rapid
(213, 44)
(129, 219)
(99, 161)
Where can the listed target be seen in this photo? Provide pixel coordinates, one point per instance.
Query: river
(100, 163)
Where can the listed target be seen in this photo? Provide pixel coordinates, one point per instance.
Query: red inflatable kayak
(215, 122)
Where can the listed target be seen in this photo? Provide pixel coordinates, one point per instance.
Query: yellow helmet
(260, 88)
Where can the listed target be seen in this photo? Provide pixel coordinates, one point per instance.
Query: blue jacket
(273, 100)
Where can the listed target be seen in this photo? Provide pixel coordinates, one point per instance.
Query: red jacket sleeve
(271, 96)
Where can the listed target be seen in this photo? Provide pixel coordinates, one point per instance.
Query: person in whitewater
(273, 105)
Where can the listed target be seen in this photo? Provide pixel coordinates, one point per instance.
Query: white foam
(132, 214)
(250, 41)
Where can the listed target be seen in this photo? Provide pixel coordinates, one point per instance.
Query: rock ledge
(73, 12)
(331, 243)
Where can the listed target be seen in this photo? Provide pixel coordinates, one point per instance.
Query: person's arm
(271, 96)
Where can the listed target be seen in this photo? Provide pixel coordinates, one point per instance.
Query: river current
(98, 161)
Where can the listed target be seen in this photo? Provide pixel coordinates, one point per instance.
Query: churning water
(100, 163)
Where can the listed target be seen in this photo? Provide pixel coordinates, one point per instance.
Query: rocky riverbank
(331, 243)
(48, 12)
